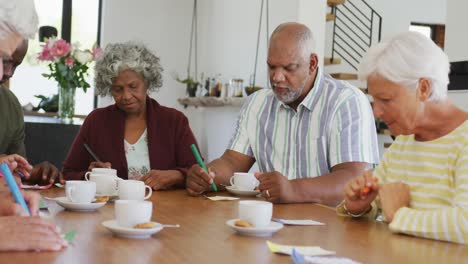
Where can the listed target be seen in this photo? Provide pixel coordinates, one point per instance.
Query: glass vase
(66, 106)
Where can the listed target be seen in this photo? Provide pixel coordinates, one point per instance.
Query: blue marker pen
(15, 191)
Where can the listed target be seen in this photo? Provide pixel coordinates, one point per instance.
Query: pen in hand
(91, 152)
(15, 191)
(200, 162)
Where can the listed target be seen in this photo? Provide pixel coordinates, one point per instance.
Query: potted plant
(68, 65)
(191, 84)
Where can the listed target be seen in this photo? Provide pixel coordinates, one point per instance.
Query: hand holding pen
(18, 206)
(97, 163)
(17, 164)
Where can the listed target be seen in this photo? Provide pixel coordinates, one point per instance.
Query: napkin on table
(221, 198)
(298, 258)
(287, 249)
(296, 221)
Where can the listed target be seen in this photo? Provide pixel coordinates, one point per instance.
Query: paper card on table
(35, 187)
(287, 249)
(42, 204)
(297, 221)
(221, 198)
(298, 258)
(70, 236)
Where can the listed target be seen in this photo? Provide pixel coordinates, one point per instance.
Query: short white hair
(18, 16)
(301, 34)
(406, 58)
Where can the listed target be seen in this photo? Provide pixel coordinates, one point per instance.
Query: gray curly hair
(126, 56)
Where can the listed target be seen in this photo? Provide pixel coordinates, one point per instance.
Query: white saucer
(253, 231)
(127, 232)
(79, 207)
(234, 190)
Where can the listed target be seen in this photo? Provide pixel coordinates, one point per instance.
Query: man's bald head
(298, 33)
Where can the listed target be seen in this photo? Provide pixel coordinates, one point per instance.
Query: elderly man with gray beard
(309, 134)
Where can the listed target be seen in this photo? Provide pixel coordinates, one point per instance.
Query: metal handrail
(360, 30)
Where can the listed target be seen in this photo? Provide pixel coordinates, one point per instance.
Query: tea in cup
(257, 213)
(80, 191)
(129, 213)
(244, 181)
(133, 190)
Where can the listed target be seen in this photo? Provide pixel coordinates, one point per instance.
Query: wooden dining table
(204, 237)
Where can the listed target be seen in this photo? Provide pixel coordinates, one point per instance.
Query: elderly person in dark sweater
(137, 136)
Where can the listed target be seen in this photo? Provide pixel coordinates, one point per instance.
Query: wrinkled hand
(4, 186)
(99, 164)
(275, 187)
(198, 181)
(357, 200)
(29, 233)
(17, 164)
(394, 196)
(162, 179)
(45, 173)
(8, 206)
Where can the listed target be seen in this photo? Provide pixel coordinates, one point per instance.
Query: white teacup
(105, 179)
(104, 171)
(80, 191)
(129, 213)
(244, 181)
(133, 190)
(258, 213)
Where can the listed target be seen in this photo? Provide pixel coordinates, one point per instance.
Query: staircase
(356, 26)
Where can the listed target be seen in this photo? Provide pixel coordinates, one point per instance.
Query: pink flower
(97, 51)
(60, 48)
(69, 61)
(45, 54)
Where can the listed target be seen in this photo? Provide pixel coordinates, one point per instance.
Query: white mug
(133, 190)
(244, 181)
(104, 171)
(129, 213)
(258, 213)
(106, 183)
(80, 191)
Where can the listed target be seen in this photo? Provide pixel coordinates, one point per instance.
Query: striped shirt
(437, 173)
(333, 124)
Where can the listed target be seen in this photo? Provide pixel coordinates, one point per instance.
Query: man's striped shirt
(333, 124)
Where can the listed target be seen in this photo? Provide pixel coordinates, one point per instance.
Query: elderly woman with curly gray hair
(137, 136)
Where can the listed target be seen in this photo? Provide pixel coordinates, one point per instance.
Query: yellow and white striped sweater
(437, 173)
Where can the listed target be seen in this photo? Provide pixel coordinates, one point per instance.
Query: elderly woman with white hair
(137, 136)
(422, 187)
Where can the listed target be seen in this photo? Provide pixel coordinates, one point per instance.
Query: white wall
(456, 43)
(456, 38)
(227, 38)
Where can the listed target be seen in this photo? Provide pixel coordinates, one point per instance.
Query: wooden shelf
(212, 101)
(335, 2)
(329, 61)
(330, 17)
(48, 114)
(344, 76)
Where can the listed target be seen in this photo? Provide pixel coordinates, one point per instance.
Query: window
(423, 29)
(435, 32)
(28, 80)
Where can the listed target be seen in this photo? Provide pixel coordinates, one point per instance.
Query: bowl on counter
(252, 89)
